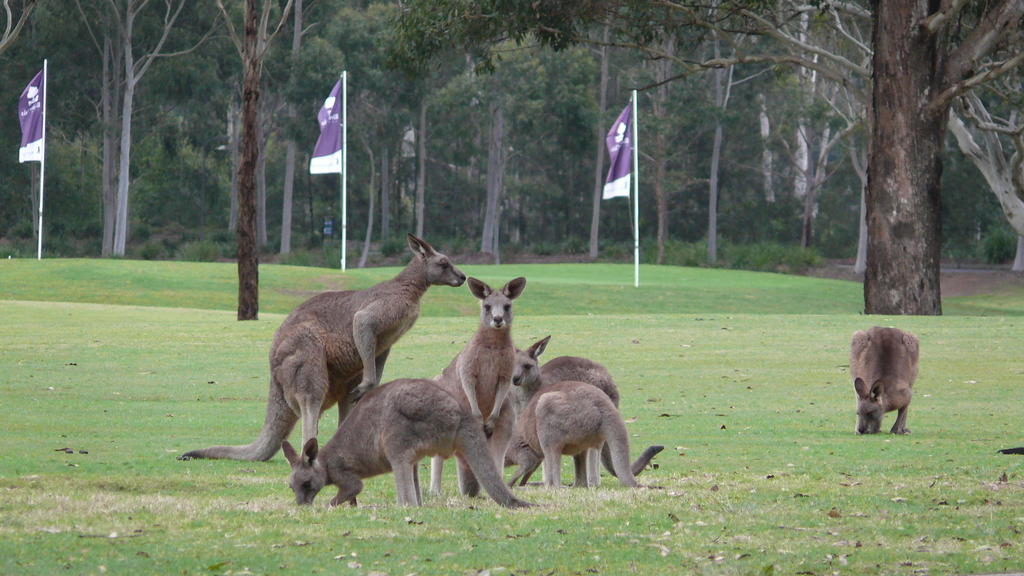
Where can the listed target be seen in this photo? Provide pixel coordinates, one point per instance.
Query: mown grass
(762, 471)
(762, 468)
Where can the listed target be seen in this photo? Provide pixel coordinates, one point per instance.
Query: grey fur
(529, 377)
(334, 341)
(570, 418)
(883, 365)
(481, 375)
(392, 429)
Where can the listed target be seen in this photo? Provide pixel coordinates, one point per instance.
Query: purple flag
(620, 149)
(327, 154)
(30, 114)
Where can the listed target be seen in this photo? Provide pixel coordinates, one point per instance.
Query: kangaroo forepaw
(900, 431)
(358, 393)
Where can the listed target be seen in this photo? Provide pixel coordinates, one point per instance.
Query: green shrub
(308, 258)
(392, 246)
(151, 250)
(199, 251)
(770, 257)
(1000, 247)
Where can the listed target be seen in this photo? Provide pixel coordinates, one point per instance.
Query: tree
(1004, 172)
(918, 71)
(923, 58)
(252, 46)
(12, 24)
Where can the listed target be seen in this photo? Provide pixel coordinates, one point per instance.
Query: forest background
(507, 162)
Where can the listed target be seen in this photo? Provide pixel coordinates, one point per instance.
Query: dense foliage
(181, 165)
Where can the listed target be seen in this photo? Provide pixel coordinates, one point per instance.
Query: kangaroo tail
(277, 424)
(641, 463)
(472, 443)
(1012, 450)
(617, 440)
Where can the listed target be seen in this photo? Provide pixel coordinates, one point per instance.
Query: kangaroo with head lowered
(883, 364)
(481, 375)
(529, 376)
(333, 342)
(391, 429)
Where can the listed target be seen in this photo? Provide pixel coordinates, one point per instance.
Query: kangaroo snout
(459, 280)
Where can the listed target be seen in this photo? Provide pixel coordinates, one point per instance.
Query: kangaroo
(529, 376)
(334, 341)
(481, 375)
(883, 363)
(391, 429)
(571, 418)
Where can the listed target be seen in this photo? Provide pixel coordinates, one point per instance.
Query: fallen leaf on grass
(834, 513)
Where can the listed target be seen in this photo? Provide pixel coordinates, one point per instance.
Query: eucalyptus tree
(252, 45)
(992, 137)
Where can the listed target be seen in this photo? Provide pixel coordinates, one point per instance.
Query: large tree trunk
(602, 97)
(248, 256)
(495, 177)
(421, 167)
(905, 166)
(290, 147)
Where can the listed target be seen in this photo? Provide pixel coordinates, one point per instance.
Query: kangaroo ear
(861, 387)
(479, 288)
(310, 450)
(289, 454)
(420, 247)
(514, 288)
(538, 347)
(876, 389)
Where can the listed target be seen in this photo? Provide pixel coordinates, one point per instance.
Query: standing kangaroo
(883, 363)
(529, 377)
(333, 341)
(481, 375)
(392, 429)
(571, 418)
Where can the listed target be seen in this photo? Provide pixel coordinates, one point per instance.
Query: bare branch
(939, 20)
(942, 101)
(88, 26)
(993, 27)
(170, 16)
(235, 39)
(773, 31)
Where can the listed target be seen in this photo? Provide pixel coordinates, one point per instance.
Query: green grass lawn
(741, 376)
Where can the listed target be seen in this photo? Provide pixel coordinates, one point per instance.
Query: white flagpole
(636, 199)
(42, 162)
(344, 167)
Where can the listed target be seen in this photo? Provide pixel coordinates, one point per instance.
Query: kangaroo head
(496, 305)
(869, 406)
(439, 269)
(308, 475)
(527, 369)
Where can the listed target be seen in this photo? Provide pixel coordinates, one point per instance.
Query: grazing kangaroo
(334, 341)
(529, 376)
(571, 418)
(883, 364)
(391, 429)
(481, 375)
